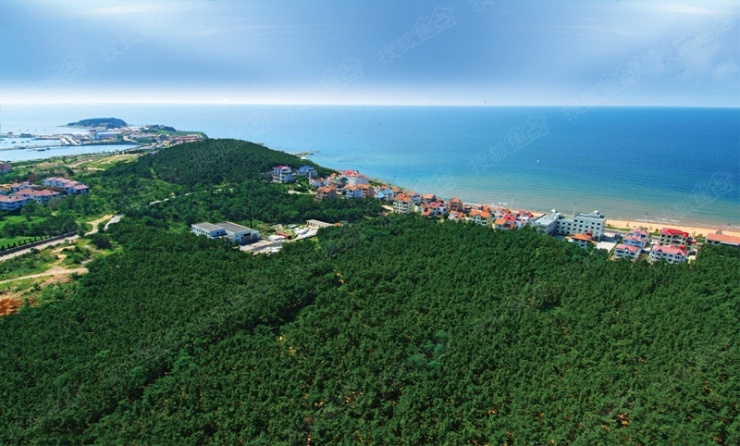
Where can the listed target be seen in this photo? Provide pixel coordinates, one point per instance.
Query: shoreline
(694, 229)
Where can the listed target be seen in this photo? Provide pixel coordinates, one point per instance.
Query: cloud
(692, 10)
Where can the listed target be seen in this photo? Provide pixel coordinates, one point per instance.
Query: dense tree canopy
(391, 331)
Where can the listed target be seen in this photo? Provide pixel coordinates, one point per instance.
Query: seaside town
(146, 136)
(584, 229)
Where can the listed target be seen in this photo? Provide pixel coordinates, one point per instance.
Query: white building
(673, 237)
(593, 223)
(403, 204)
(308, 172)
(231, 231)
(282, 174)
(671, 254)
(13, 202)
(624, 251)
(68, 186)
(547, 223)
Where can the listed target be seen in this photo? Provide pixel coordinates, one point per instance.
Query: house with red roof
(455, 204)
(12, 202)
(403, 204)
(325, 192)
(624, 251)
(671, 254)
(673, 237)
(483, 218)
(68, 186)
(718, 238)
(582, 240)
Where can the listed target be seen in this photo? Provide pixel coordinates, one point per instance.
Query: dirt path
(54, 271)
(95, 223)
(43, 246)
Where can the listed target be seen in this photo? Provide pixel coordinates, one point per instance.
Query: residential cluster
(584, 229)
(17, 195)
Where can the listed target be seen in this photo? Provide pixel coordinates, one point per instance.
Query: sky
(410, 52)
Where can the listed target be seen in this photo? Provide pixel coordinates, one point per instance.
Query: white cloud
(687, 9)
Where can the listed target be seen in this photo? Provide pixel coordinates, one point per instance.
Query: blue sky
(477, 52)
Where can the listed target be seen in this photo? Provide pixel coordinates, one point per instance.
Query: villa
(673, 237)
(282, 174)
(403, 204)
(671, 254)
(68, 186)
(624, 251)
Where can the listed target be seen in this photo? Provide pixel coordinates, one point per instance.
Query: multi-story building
(308, 172)
(282, 174)
(325, 192)
(455, 204)
(355, 178)
(637, 237)
(68, 186)
(547, 223)
(671, 254)
(673, 237)
(593, 224)
(403, 204)
(12, 202)
(624, 251)
(483, 218)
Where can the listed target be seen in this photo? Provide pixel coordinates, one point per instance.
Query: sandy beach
(694, 230)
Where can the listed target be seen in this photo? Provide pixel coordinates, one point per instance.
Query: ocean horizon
(661, 165)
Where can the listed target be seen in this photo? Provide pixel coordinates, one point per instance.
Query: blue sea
(661, 165)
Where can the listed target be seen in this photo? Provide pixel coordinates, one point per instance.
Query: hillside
(392, 331)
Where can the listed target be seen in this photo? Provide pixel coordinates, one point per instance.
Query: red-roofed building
(483, 218)
(5, 168)
(39, 196)
(325, 192)
(455, 204)
(671, 254)
(673, 237)
(403, 204)
(13, 202)
(583, 240)
(15, 187)
(623, 251)
(722, 239)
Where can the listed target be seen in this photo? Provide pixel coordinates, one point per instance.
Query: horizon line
(339, 104)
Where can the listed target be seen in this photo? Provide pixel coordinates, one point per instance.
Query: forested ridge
(393, 330)
(388, 330)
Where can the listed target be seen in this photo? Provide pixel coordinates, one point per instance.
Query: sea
(653, 165)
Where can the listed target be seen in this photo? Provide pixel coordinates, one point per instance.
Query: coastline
(693, 229)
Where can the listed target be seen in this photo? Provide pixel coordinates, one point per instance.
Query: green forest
(388, 330)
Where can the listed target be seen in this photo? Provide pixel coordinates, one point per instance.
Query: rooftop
(232, 227)
(723, 238)
(673, 232)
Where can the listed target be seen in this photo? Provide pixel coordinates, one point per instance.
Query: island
(108, 123)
